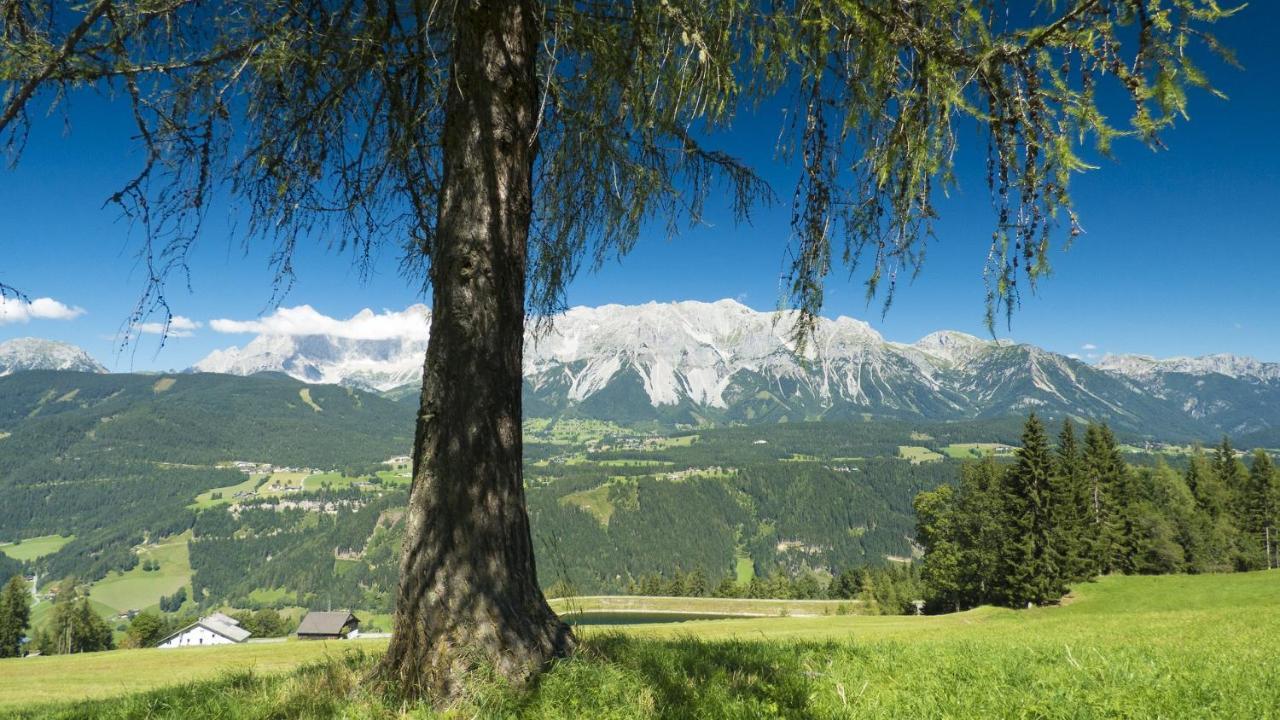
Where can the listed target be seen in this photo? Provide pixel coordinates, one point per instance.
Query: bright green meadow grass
(1167, 647)
(36, 547)
(138, 589)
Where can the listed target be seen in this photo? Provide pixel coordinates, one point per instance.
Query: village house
(215, 629)
(328, 626)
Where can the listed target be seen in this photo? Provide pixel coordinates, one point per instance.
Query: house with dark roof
(216, 629)
(328, 625)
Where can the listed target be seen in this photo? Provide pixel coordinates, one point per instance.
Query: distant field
(917, 454)
(594, 501)
(1137, 647)
(973, 451)
(35, 547)
(138, 589)
(633, 463)
(711, 606)
(207, 499)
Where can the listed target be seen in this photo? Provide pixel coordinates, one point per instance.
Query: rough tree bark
(468, 593)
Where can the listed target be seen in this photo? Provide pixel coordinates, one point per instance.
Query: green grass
(571, 431)
(139, 590)
(207, 499)
(1168, 647)
(36, 547)
(269, 597)
(594, 501)
(746, 607)
(917, 454)
(744, 569)
(633, 463)
(32, 681)
(973, 451)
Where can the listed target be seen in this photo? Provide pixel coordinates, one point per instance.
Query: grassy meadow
(138, 589)
(36, 547)
(1172, 647)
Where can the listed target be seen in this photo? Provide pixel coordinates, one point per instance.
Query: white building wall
(197, 636)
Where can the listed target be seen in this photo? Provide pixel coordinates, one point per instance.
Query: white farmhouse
(216, 629)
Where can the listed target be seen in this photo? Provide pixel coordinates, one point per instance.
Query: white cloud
(17, 310)
(179, 326)
(305, 320)
(1074, 356)
(1088, 346)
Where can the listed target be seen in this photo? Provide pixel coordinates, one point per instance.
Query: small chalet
(328, 626)
(216, 629)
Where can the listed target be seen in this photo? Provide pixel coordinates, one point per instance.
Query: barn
(328, 625)
(215, 629)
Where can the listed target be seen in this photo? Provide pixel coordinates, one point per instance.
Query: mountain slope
(1234, 395)
(57, 416)
(722, 362)
(22, 354)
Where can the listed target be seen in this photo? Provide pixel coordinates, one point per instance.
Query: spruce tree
(1106, 476)
(1231, 474)
(15, 616)
(980, 527)
(1212, 497)
(1217, 524)
(1029, 573)
(937, 532)
(1261, 510)
(1071, 508)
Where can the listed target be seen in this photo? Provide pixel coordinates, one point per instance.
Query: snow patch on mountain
(1146, 367)
(37, 354)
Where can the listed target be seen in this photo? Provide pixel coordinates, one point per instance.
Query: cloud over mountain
(408, 324)
(179, 326)
(17, 310)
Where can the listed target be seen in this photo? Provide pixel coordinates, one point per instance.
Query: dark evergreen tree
(1231, 474)
(1071, 509)
(1106, 478)
(936, 531)
(15, 616)
(980, 528)
(1217, 524)
(847, 585)
(1261, 506)
(76, 628)
(1029, 571)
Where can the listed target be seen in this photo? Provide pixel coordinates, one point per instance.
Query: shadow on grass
(611, 677)
(686, 678)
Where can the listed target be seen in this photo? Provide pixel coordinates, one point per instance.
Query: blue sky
(1180, 257)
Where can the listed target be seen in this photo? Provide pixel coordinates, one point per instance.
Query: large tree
(15, 616)
(1030, 570)
(504, 142)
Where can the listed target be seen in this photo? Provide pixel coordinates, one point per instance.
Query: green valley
(1173, 646)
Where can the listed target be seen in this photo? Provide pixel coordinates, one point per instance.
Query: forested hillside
(194, 419)
(117, 459)
(122, 463)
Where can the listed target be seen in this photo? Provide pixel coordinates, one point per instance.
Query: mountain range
(716, 363)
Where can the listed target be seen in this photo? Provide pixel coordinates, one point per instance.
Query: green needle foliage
(15, 616)
(1025, 534)
(325, 119)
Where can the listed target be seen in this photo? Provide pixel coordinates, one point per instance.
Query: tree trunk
(468, 595)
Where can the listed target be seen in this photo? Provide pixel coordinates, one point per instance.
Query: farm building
(328, 625)
(216, 629)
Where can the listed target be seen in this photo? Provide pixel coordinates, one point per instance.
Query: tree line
(1023, 534)
(887, 589)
